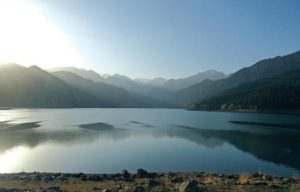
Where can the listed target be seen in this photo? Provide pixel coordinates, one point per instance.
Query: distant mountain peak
(210, 71)
(84, 73)
(116, 75)
(177, 84)
(35, 67)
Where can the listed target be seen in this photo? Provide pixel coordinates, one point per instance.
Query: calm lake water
(109, 140)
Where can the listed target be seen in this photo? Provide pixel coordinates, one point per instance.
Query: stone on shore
(141, 173)
(189, 186)
(151, 183)
(125, 175)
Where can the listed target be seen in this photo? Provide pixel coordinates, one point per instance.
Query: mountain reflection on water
(280, 148)
(277, 147)
(31, 137)
(271, 140)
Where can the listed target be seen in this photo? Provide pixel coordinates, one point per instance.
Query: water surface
(109, 140)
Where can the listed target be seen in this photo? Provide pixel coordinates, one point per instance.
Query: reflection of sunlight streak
(12, 115)
(5, 115)
(27, 37)
(2, 117)
(9, 160)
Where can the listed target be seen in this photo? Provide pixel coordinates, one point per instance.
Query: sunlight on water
(10, 159)
(13, 115)
(4, 115)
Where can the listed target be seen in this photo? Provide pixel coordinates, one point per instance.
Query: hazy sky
(169, 38)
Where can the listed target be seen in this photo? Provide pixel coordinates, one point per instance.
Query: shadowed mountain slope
(267, 68)
(279, 93)
(33, 87)
(115, 96)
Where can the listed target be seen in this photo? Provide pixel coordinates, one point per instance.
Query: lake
(109, 140)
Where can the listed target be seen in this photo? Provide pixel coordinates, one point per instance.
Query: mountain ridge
(34, 87)
(266, 68)
(115, 96)
(278, 93)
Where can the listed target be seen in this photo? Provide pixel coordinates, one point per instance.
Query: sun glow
(27, 37)
(9, 160)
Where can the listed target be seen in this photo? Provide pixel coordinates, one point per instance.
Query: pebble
(151, 183)
(189, 186)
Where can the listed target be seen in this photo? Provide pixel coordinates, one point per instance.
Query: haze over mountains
(157, 88)
(87, 74)
(33, 87)
(72, 87)
(115, 96)
(177, 84)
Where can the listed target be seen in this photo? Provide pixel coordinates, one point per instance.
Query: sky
(148, 38)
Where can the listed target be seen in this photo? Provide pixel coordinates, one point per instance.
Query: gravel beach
(147, 181)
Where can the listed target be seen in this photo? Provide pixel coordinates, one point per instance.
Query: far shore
(143, 181)
(279, 112)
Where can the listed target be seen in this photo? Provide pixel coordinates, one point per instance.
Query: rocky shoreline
(143, 181)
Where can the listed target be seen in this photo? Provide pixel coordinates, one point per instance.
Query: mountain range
(279, 93)
(87, 74)
(115, 96)
(72, 87)
(263, 69)
(33, 87)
